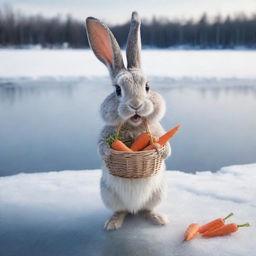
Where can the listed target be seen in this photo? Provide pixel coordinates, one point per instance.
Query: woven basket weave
(135, 165)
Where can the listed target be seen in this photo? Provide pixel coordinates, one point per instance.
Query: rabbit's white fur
(120, 194)
(132, 195)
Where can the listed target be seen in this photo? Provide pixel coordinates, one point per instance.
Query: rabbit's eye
(147, 87)
(118, 90)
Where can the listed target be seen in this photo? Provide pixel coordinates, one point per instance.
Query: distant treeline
(19, 30)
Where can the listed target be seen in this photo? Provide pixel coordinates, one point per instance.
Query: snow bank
(61, 213)
(169, 63)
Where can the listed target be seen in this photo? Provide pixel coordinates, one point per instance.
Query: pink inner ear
(100, 41)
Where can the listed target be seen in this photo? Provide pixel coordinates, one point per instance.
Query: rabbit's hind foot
(156, 217)
(115, 221)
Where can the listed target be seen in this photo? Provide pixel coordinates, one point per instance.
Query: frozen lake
(49, 121)
(52, 124)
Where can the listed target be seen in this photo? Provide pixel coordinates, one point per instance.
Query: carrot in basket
(119, 145)
(214, 224)
(191, 231)
(163, 139)
(141, 142)
(115, 143)
(224, 230)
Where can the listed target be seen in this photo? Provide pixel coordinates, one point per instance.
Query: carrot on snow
(191, 231)
(163, 139)
(141, 142)
(214, 224)
(224, 230)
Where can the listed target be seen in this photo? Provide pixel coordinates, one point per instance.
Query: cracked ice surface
(61, 213)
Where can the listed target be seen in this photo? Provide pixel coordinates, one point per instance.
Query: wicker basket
(135, 165)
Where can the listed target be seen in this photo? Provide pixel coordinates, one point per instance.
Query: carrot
(214, 224)
(224, 230)
(191, 231)
(120, 146)
(163, 139)
(115, 143)
(141, 142)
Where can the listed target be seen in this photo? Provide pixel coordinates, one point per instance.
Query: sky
(119, 11)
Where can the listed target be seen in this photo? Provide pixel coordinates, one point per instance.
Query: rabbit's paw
(156, 217)
(104, 150)
(167, 151)
(115, 221)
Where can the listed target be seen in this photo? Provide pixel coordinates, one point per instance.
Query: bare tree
(19, 30)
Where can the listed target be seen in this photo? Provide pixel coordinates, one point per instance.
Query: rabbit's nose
(135, 107)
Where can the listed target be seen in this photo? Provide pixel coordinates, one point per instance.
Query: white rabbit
(130, 101)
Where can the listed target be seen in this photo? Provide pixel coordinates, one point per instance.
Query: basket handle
(145, 122)
(118, 128)
(148, 130)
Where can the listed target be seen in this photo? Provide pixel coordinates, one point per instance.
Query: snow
(61, 213)
(219, 64)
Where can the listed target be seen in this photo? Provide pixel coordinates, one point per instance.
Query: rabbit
(130, 102)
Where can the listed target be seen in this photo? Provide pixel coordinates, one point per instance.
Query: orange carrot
(120, 146)
(141, 142)
(163, 139)
(224, 230)
(191, 231)
(115, 143)
(214, 224)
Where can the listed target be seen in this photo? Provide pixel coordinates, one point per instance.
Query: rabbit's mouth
(136, 118)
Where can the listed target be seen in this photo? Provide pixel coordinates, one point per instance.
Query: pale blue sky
(119, 10)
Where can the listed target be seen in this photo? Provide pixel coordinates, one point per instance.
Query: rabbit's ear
(104, 45)
(133, 48)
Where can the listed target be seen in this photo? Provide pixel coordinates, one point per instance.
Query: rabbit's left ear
(104, 45)
(133, 48)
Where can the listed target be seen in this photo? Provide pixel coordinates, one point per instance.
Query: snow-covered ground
(61, 213)
(169, 63)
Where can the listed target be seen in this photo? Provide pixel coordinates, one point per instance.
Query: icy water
(50, 124)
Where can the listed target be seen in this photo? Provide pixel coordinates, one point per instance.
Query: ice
(61, 213)
(36, 63)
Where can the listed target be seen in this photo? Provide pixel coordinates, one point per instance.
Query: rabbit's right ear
(104, 45)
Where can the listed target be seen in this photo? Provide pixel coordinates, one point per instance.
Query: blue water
(49, 124)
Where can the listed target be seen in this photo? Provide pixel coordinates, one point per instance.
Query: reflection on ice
(53, 124)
